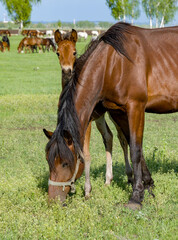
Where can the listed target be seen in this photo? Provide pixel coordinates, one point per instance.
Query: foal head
(66, 52)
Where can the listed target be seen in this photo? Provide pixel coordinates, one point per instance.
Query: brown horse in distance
(130, 70)
(67, 56)
(5, 32)
(47, 43)
(28, 43)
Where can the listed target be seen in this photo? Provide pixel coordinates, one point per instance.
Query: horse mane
(80, 62)
(68, 124)
(115, 36)
(67, 127)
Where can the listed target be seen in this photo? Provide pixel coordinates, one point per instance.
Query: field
(30, 85)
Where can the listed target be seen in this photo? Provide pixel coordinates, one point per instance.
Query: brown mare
(67, 57)
(29, 43)
(47, 43)
(130, 70)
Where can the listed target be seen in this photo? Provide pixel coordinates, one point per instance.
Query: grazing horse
(29, 43)
(130, 70)
(6, 42)
(47, 42)
(67, 57)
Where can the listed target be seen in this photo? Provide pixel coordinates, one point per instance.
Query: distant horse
(29, 43)
(33, 33)
(41, 33)
(129, 71)
(67, 57)
(82, 35)
(49, 33)
(5, 32)
(94, 34)
(24, 32)
(6, 42)
(1, 47)
(47, 43)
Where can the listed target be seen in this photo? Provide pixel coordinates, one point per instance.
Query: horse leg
(136, 114)
(87, 162)
(121, 124)
(107, 139)
(39, 48)
(124, 145)
(146, 177)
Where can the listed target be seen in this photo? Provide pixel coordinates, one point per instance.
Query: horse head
(63, 173)
(66, 52)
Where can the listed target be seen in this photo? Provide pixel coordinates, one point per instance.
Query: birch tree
(149, 8)
(120, 9)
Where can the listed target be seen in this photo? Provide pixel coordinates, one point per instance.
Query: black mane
(68, 124)
(115, 36)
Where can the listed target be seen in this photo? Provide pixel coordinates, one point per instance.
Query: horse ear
(57, 36)
(73, 36)
(48, 133)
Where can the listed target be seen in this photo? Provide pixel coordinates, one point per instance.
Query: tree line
(163, 11)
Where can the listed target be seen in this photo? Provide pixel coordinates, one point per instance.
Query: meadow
(30, 85)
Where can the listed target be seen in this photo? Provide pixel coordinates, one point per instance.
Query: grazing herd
(34, 40)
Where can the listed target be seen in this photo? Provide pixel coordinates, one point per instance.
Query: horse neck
(89, 87)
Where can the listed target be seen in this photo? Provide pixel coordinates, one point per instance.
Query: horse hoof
(107, 184)
(87, 197)
(133, 205)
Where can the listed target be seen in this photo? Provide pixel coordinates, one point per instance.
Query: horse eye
(65, 165)
(74, 53)
(58, 54)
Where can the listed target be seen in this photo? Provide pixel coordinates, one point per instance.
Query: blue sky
(67, 10)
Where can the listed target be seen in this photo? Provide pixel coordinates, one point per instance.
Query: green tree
(117, 9)
(165, 11)
(85, 24)
(133, 9)
(120, 9)
(59, 24)
(20, 10)
(150, 10)
(105, 25)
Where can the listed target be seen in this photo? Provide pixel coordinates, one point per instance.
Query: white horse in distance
(82, 35)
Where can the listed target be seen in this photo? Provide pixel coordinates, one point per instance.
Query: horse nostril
(67, 71)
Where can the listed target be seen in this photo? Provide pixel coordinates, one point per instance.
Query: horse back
(162, 70)
(151, 74)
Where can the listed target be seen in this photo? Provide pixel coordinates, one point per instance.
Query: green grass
(28, 103)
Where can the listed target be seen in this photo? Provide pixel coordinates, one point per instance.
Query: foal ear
(73, 36)
(58, 36)
(48, 133)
